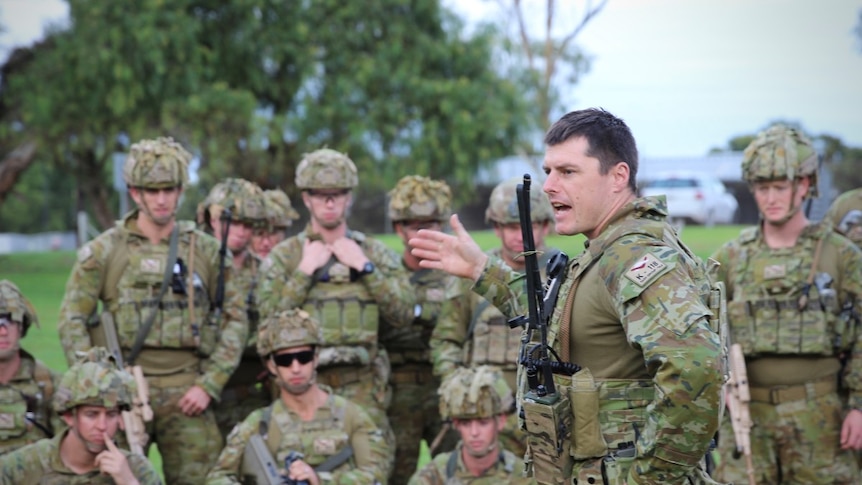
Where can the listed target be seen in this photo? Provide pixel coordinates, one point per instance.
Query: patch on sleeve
(644, 270)
(84, 253)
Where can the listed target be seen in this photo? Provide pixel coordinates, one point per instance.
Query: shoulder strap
(148, 324)
(42, 374)
(452, 464)
(115, 263)
(335, 460)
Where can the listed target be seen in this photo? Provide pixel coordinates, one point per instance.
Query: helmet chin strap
(485, 452)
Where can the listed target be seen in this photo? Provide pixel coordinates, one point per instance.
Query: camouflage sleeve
(282, 286)
(233, 334)
(449, 334)
(27, 464)
(371, 452)
(390, 285)
(143, 470)
(720, 272)
(503, 287)
(851, 295)
(54, 419)
(664, 316)
(430, 473)
(81, 297)
(227, 467)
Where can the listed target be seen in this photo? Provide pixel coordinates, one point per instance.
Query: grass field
(42, 278)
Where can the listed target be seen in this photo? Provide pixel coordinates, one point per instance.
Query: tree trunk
(13, 166)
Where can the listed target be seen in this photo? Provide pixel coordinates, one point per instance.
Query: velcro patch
(773, 271)
(151, 265)
(84, 253)
(7, 421)
(324, 446)
(644, 269)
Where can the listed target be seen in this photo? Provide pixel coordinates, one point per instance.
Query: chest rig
(25, 407)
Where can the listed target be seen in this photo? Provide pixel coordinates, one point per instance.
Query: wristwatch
(368, 268)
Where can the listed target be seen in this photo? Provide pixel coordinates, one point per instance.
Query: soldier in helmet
(26, 384)
(793, 295)
(346, 280)
(476, 400)
(232, 212)
(472, 331)
(416, 203)
(845, 214)
(90, 398)
(280, 215)
(174, 305)
(307, 418)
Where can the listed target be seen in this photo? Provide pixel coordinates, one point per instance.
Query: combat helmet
(417, 198)
(280, 213)
(95, 380)
(326, 169)
(157, 164)
(286, 329)
(503, 205)
(244, 199)
(475, 392)
(16, 306)
(780, 153)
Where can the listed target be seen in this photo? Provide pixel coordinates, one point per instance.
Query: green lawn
(42, 278)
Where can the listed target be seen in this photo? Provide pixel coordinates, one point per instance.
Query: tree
(251, 85)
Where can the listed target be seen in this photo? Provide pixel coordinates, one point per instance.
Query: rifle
(207, 337)
(259, 467)
(738, 397)
(141, 412)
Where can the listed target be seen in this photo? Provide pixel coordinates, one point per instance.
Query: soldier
(793, 304)
(345, 280)
(477, 401)
(90, 398)
(280, 215)
(26, 384)
(307, 418)
(471, 330)
(845, 214)
(632, 311)
(177, 313)
(247, 388)
(415, 203)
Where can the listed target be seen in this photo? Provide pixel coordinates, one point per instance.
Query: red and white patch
(644, 269)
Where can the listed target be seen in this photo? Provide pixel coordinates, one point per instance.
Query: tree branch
(14, 165)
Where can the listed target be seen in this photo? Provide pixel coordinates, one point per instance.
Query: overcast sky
(686, 75)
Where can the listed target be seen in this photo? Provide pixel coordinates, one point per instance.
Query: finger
(845, 435)
(457, 227)
(110, 443)
(427, 255)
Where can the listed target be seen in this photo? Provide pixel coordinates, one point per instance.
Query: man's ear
(621, 174)
(501, 422)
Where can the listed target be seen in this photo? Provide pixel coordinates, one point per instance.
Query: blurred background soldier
(416, 203)
(845, 214)
(246, 390)
(90, 397)
(26, 384)
(336, 440)
(793, 303)
(280, 215)
(344, 279)
(171, 296)
(476, 400)
(471, 331)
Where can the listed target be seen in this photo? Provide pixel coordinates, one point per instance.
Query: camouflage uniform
(349, 306)
(189, 343)
(280, 214)
(795, 346)
(336, 424)
(633, 312)
(413, 411)
(473, 393)
(845, 214)
(471, 331)
(92, 381)
(248, 387)
(25, 401)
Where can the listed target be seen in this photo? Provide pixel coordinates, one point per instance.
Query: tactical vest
(133, 273)
(246, 279)
(317, 440)
(765, 310)
(490, 340)
(22, 399)
(411, 343)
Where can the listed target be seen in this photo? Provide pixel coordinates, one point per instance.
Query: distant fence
(45, 241)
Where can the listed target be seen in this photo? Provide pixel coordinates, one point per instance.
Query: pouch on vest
(586, 440)
(13, 409)
(549, 425)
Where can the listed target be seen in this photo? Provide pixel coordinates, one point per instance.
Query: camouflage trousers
(791, 442)
(414, 415)
(189, 445)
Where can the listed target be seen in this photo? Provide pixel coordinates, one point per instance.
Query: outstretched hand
(457, 254)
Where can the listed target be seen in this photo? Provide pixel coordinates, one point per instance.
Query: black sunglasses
(286, 360)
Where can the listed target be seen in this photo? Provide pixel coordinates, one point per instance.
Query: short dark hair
(609, 139)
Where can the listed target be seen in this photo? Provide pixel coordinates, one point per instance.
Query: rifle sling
(144, 330)
(335, 460)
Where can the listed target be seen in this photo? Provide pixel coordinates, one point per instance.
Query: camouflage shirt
(29, 391)
(635, 304)
(336, 424)
(134, 266)
(449, 469)
(41, 463)
(841, 208)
